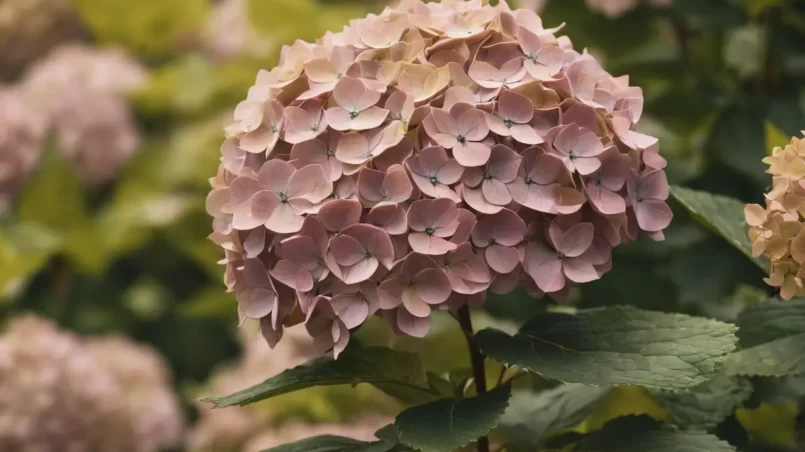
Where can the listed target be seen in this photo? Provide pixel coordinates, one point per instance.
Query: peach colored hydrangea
(65, 394)
(774, 230)
(420, 157)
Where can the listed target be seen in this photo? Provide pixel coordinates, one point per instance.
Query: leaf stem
(477, 362)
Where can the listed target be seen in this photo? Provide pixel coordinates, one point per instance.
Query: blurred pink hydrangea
(420, 157)
(81, 91)
(229, 33)
(64, 394)
(156, 416)
(22, 133)
(258, 427)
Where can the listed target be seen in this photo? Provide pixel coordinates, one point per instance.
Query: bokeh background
(111, 117)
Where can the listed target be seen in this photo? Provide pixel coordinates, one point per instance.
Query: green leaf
(379, 366)
(516, 305)
(447, 424)
(772, 336)
(738, 139)
(54, 197)
(616, 345)
(714, 258)
(775, 137)
(721, 214)
(24, 249)
(388, 433)
(704, 406)
(769, 321)
(643, 434)
(532, 416)
(328, 443)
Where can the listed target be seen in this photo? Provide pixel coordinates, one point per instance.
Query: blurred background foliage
(724, 81)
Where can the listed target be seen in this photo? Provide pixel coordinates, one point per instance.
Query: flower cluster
(64, 394)
(144, 377)
(420, 157)
(21, 139)
(81, 91)
(775, 230)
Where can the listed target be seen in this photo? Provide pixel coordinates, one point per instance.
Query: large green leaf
(769, 321)
(24, 249)
(532, 416)
(54, 196)
(616, 345)
(706, 405)
(723, 215)
(772, 336)
(328, 443)
(447, 424)
(643, 434)
(388, 369)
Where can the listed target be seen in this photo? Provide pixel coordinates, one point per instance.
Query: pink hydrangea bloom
(424, 156)
(81, 92)
(22, 134)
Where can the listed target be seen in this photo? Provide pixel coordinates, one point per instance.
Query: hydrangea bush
(66, 393)
(431, 158)
(421, 157)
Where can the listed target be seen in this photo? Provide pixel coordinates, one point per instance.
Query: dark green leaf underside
(380, 366)
(530, 417)
(723, 215)
(643, 434)
(772, 335)
(329, 443)
(447, 424)
(704, 406)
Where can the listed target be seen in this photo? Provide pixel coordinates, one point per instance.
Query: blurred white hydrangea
(22, 132)
(64, 394)
(229, 33)
(81, 90)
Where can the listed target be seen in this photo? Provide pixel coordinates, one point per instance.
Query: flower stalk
(476, 361)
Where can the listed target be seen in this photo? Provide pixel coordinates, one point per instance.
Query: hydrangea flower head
(121, 392)
(22, 135)
(421, 157)
(774, 230)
